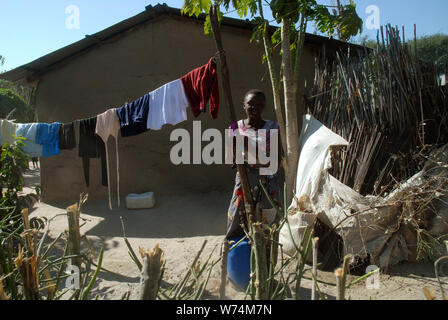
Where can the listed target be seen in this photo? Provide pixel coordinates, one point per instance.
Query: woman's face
(254, 106)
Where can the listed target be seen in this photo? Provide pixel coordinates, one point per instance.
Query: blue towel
(29, 131)
(134, 116)
(48, 136)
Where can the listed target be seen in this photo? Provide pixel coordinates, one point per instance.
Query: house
(124, 62)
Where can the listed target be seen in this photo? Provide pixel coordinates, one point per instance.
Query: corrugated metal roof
(35, 69)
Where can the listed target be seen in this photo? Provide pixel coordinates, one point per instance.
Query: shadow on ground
(189, 215)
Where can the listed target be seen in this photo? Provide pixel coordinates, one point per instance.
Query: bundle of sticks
(387, 103)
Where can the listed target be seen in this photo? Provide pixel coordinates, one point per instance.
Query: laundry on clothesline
(48, 136)
(133, 117)
(91, 146)
(168, 103)
(165, 105)
(8, 129)
(29, 132)
(67, 139)
(201, 88)
(108, 125)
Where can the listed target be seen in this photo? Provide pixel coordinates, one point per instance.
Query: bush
(14, 161)
(11, 102)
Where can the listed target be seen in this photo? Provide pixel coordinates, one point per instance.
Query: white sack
(332, 202)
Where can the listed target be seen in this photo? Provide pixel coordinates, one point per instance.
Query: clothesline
(165, 105)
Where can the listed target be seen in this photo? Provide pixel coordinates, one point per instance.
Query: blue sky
(33, 28)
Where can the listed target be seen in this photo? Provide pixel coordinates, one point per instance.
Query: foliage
(347, 22)
(196, 7)
(31, 268)
(286, 8)
(14, 161)
(208, 25)
(17, 99)
(365, 41)
(433, 48)
(293, 16)
(13, 106)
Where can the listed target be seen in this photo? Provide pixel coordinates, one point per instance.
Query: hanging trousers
(91, 146)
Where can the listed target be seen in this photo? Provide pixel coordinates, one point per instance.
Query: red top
(201, 88)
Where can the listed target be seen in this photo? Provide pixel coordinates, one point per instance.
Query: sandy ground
(180, 225)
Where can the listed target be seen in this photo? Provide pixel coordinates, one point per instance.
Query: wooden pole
(345, 270)
(248, 201)
(260, 261)
(341, 277)
(315, 251)
(27, 227)
(28, 268)
(339, 285)
(74, 235)
(2, 292)
(225, 252)
(152, 271)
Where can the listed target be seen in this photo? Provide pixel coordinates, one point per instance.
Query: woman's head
(254, 103)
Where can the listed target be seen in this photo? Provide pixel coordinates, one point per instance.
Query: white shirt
(167, 105)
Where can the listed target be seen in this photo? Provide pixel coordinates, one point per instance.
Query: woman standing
(254, 105)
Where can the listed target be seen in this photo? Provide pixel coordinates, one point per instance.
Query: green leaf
(349, 22)
(196, 7)
(13, 105)
(257, 35)
(86, 292)
(207, 26)
(286, 8)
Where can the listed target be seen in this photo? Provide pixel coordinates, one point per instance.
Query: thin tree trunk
(341, 277)
(276, 89)
(248, 201)
(299, 49)
(339, 284)
(297, 68)
(225, 253)
(261, 272)
(2, 292)
(345, 270)
(339, 12)
(27, 227)
(315, 251)
(299, 110)
(290, 92)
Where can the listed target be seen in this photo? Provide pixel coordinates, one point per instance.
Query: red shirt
(201, 88)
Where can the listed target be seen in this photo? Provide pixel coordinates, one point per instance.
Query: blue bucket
(238, 263)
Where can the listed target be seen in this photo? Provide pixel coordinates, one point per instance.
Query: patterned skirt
(236, 215)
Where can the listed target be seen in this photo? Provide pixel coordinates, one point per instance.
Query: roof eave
(30, 72)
